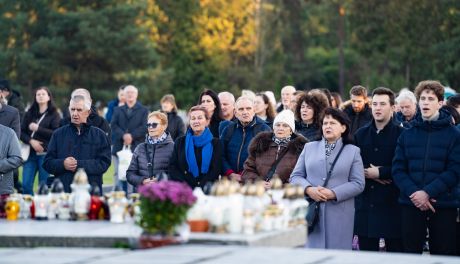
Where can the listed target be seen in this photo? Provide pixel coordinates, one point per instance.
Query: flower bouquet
(163, 206)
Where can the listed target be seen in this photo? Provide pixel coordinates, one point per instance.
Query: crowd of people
(382, 166)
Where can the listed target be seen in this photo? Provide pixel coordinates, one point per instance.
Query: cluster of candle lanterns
(229, 207)
(247, 209)
(84, 203)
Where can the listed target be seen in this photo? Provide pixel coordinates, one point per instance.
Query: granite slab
(189, 254)
(32, 233)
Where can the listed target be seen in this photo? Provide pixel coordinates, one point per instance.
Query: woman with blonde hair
(176, 126)
(151, 158)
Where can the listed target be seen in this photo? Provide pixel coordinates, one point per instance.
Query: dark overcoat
(378, 213)
(133, 123)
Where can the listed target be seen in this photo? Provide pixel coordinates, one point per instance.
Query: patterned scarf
(281, 141)
(160, 139)
(329, 147)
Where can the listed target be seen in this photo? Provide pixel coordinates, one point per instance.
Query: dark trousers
(441, 226)
(458, 232)
(17, 183)
(372, 244)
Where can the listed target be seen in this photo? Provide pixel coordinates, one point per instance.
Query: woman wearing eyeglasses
(197, 156)
(151, 158)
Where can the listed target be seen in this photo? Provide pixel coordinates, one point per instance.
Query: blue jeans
(33, 164)
(126, 187)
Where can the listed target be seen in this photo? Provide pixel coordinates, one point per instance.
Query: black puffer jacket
(426, 158)
(138, 169)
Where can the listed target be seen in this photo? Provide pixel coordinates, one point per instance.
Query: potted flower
(163, 206)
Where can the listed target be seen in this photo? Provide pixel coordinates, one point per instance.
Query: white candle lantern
(117, 207)
(41, 201)
(81, 199)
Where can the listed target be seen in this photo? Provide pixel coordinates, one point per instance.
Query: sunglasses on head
(151, 125)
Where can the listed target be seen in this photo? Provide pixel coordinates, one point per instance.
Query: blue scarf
(204, 140)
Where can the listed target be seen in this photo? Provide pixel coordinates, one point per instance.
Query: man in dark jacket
(128, 126)
(287, 94)
(9, 117)
(426, 169)
(12, 97)
(94, 119)
(78, 145)
(237, 135)
(227, 104)
(359, 112)
(407, 108)
(378, 214)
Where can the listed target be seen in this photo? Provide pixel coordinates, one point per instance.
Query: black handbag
(312, 216)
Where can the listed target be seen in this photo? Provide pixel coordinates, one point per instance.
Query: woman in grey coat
(151, 158)
(337, 209)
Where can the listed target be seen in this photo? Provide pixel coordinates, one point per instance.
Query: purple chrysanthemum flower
(176, 192)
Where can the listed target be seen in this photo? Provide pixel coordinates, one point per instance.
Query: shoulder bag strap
(272, 170)
(329, 173)
(150, 161)
(38, 123)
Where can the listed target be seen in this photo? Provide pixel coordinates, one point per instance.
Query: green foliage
(182, 47)
(402, 45)
(161, 216)
(324, 67)
(73, 44)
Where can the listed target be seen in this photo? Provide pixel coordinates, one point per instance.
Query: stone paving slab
(56, 255)
(31, 233)
(190, 254)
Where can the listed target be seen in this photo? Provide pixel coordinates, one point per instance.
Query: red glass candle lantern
(95, 204)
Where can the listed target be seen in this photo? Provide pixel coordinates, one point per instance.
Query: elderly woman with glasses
(151, 158)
